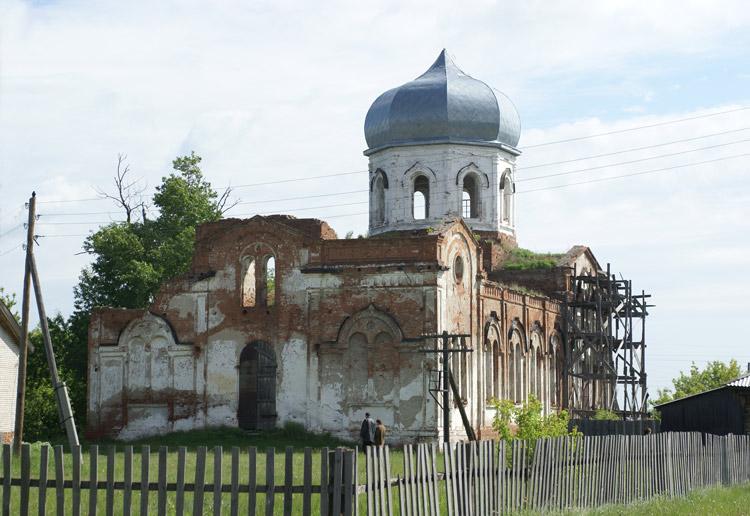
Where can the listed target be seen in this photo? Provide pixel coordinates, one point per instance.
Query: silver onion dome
(442, 105)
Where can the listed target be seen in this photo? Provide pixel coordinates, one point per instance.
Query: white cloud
(270, 90)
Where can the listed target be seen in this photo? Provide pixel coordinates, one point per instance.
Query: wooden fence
(606, 427)
(335, 487)
(488, 478)
(480, 478)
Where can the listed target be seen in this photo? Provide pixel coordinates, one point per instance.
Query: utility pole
(446, 380)
(64, 410)
(61, 390)
(23, 353)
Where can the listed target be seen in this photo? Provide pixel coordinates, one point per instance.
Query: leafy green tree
(714, 375)
(132, 259)
(10, 302)
(41, 421)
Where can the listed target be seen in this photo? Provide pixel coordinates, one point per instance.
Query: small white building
(10, 345)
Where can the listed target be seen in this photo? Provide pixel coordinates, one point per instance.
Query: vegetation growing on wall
(523, 259)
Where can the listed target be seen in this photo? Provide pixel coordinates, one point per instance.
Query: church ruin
(340, 326)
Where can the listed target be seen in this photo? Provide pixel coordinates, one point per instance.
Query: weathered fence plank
(110, 497)
(288, 477)
(7, 474)
(270, 480)
(179, 502)
(200, 480)
(127, 492)
(145, 462)
(93, 478)
(307, 482)
(25, 478)
(43, 466)
(234, 496)
(218, 456)
(59, 480)
(252, 480)
(161, 497)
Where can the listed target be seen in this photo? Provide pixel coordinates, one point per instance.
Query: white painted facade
(10, 334)
(448, 170)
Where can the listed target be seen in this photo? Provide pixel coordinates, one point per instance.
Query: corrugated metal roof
(442, 104)
(742, 381)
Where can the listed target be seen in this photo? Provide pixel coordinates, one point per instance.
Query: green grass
(715, 501)
(523, 259)
(291, 435)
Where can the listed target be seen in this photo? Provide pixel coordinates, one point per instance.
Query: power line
(11, 250)
(443, 204)
(18, 208)
(325, 176)
(636, 128)
(305, 197)
(632, 150)
(634, 174)
(632, 161)
(301, 179)
(16, 228)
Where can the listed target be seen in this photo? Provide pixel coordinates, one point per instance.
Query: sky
(635, 140)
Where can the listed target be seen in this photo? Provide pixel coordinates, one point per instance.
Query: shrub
(529, 422)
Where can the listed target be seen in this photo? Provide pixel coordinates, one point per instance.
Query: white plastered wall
(8, 381)
(444, 165)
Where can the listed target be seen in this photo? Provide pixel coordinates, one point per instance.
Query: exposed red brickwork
(406, 282)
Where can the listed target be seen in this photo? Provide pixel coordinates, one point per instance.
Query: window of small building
(469, 199)
(248, 281)
(421, 198)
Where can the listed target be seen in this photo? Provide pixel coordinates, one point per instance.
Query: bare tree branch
(223, 201)
(129, 194)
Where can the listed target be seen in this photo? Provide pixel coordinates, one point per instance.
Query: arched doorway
(257, 400)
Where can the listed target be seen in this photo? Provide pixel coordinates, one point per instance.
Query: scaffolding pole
(605, 349)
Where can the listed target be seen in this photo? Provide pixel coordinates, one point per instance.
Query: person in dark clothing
(367, 432)
(379, 434)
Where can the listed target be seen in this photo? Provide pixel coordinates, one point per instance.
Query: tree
(10, 302)
(41, 420)
(133, 258)
(129, 194)
(713, 376)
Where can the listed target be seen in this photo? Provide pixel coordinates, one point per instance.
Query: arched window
(532, 372)
(554, 352)
(470, 197)
(379, 201)
(269, 284)
(512, 374)
(421, 198)
(248, 281)
(536, 365)
(507, 188)
(519, 375)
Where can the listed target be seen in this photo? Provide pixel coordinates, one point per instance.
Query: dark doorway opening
(257, 401)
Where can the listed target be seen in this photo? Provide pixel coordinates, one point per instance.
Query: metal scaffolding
(605, 351)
